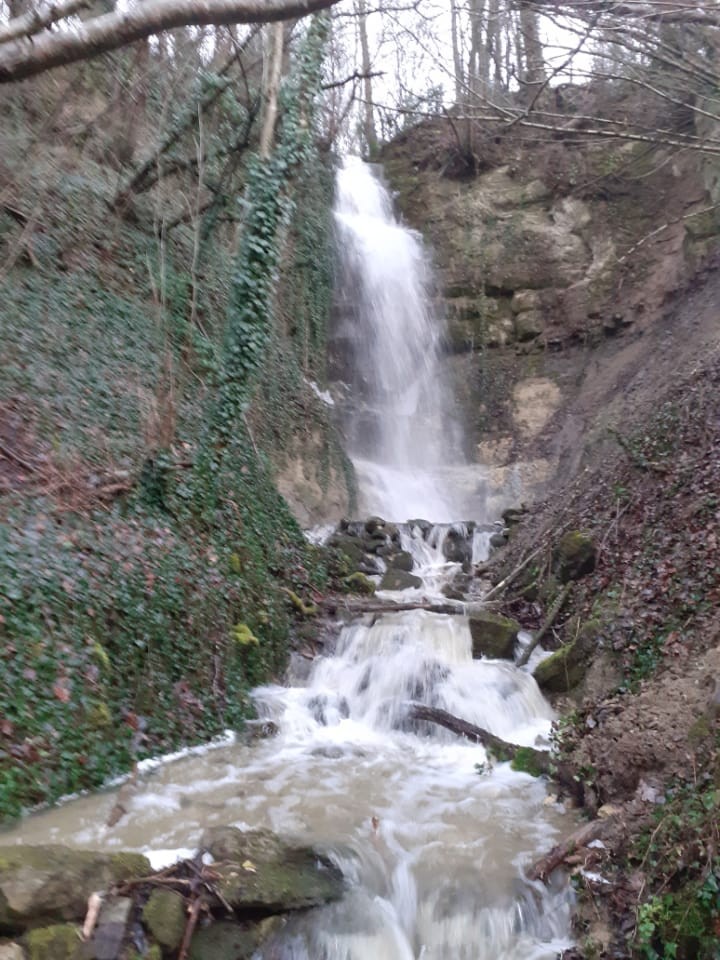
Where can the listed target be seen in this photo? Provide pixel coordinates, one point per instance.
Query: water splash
(402, 434)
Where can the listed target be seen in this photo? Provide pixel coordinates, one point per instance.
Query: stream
(431, 835)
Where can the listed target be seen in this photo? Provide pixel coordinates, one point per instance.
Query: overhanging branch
(28, 56)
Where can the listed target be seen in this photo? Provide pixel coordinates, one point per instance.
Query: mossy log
(523, 759)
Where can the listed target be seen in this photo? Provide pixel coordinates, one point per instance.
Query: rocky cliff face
(560, 265)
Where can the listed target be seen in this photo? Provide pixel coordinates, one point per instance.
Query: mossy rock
(575, 556)
(399, 580)
(493, 636)
(400, 560)
(260, 874)
(562, 670)
(359, 583)
(58, 942)
(226, 940)
(52, 883)
(165, 917)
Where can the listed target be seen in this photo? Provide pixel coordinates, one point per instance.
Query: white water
(433, 848)
(403, 437)
(441, 875)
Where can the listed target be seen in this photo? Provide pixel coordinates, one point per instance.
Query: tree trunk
(369, 134)
(534, 57)
(584, 835)
(457, 54)
(539, 759)
(273, 75)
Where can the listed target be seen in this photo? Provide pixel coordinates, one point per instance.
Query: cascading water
(431, 836)
(437, 875)
(401, 431)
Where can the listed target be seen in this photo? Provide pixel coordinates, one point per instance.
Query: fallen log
(581, 837)
(334, 604)
(526, 759)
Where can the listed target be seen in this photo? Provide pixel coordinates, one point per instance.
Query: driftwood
(581, 837)
(536, 761)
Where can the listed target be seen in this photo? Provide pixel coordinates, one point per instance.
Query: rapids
(431, 835)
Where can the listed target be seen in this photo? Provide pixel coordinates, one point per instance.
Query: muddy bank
(638, 643)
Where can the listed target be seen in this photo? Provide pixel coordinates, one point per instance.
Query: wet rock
(58, 942)
(498, 540)
(457, 546)
(231, 941)
(52, 883)
(349, 547)
(165, 917)
(401, 560)
(492, 635)
(575, 556)
(261, 874)
(358, 583)
(399, 580)
(424, 526)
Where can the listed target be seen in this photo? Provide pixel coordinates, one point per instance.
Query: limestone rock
(492, 635)
(575, 556)
(52, 883)
(165, 917)
(399, 580)
(528, 325)
(261, 874)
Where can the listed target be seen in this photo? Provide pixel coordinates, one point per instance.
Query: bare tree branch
(39, 19)
(27, 56)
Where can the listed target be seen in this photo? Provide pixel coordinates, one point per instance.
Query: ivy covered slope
(146, 556)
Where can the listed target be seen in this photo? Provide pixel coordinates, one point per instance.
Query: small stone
(112, 925)
(11, 951)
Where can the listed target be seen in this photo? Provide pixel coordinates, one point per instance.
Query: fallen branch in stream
(452, 607)
(528, 759)
(552, 613)
(581, 837)
(374, 606)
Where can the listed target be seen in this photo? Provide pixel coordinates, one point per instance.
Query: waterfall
(402, 433)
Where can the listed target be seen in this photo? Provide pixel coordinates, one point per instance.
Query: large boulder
(51, 884)
(58, 942)
(567, 667)
(492, 635)
(260, 874)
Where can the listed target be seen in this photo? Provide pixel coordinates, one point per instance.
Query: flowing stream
(431, 835)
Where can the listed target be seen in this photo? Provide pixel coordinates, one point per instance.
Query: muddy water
(438, 873)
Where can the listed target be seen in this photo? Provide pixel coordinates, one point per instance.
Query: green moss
(99, 716)
(165, 917)
(527, 760)
(561, 671)
(243, 635)
(574, 556)
(358, 583)
(304, 609)
(59, 942)
(129, 866)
